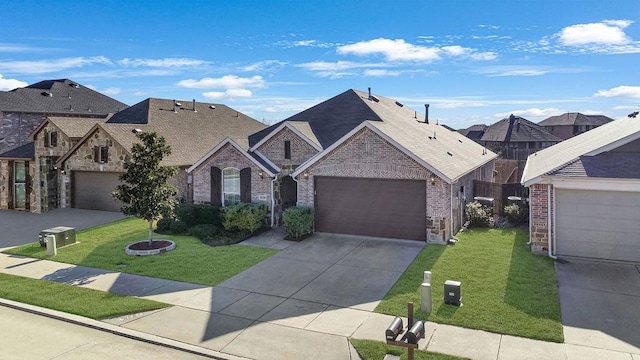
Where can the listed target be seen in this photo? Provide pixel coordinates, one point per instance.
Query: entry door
(19, 185)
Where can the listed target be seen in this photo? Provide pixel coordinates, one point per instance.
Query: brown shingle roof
(575, 118)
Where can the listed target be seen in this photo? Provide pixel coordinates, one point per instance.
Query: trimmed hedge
(245, 217)
(193, 215)
(298, 221)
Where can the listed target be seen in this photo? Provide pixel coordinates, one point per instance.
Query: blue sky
(472, 61)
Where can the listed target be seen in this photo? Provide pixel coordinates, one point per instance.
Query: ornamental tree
(144, 189)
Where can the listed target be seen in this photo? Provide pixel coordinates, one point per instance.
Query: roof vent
(212, 107)
(46, 93)
(426, 114)
(399, 104)
(194, 106)
(74, 85)
(449, 153)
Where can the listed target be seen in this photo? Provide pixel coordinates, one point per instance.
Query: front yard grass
(505, 289)
(192, 261)
(89, 303)
(375, 350)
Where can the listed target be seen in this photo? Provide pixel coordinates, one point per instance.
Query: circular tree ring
(142, 248)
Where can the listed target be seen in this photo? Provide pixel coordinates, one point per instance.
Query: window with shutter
(287, 149)
(104, 154)
(230, 186)
(46, 138)
(245, 185)
(216, 186)
(53, 138)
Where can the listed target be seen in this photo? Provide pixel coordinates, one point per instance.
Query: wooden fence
(499, 193)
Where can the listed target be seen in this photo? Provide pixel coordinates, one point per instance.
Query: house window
(230, 186)
(101, 154)
(51, 139)
(19, 185)
(287, 149)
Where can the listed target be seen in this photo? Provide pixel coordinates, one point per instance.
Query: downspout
(549, 222)
(530, 238)
(451, 207)
(273, 202)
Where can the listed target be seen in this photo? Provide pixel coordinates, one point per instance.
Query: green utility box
(64, 236)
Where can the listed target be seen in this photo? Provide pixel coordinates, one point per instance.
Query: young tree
(144, 189)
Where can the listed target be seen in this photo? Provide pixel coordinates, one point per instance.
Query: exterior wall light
(261, 174)
(305, 174)
(433, 180)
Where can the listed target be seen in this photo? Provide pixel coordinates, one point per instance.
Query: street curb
(118, 330)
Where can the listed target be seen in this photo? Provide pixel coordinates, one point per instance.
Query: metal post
(410, 324)
(427, 277)
(425, 297)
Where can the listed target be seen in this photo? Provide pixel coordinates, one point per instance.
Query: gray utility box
(64, 236)
(452, 294)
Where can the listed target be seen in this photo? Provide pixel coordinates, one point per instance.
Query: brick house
(22, 112)
(568, 125)
(585, 194)
(367, 164)
(90, 170)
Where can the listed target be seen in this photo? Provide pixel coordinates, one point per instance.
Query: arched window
(230, 186)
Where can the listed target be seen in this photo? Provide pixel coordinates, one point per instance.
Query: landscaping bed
(505, 289)
(191, 261)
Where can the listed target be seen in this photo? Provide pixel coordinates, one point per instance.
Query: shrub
(245, 217)
(298, 221)
(516, 214)
(478, 215)
(204, 232)
(163, 226)
(193, 215)
(179, 227)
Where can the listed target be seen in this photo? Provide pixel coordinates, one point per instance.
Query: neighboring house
(25, 176)
(585, 194)
(474, 132)
(516, 137)
(90, 170)
(367, 164)
(569, 125)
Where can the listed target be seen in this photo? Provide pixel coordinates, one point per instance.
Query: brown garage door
(92, 190)
(372, 207)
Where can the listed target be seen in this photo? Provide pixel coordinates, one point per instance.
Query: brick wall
(16, 128)
(273, 149)
(367, 155)
(225, 157)
(539, 217)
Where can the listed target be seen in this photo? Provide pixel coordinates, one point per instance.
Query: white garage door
(598, 224)
(92, 190)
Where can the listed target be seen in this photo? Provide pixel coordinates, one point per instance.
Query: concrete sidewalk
(235, 323)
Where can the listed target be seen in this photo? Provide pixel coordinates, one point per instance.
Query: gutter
(273, 201)
(549, 223)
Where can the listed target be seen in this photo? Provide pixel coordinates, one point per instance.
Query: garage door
(92, 190)
(598, 224)
(372, 207)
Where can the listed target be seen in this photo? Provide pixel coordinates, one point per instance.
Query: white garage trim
(632, 185)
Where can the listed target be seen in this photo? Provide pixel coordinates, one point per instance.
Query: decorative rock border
(171, 245)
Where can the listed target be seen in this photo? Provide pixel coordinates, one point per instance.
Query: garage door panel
(598, 224)
(374, 207)
(92, 190)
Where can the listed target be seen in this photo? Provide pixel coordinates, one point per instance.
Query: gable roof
(241, 149)
(474, 132)
(517, 129)
(61, 96)
(447, 153)
(24, 152)
(73, 127)
(189, 133)
(300, 128)
(575, 118)
(599, 140)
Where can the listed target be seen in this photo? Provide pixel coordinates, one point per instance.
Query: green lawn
(89, 303)
(192, 261)
(375, 350)
(505, 289)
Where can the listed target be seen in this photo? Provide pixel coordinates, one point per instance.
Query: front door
(20, 185)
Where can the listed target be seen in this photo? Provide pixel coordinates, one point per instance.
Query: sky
(474, 62)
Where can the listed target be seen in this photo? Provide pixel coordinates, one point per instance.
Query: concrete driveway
(600, 296)
(20, 227)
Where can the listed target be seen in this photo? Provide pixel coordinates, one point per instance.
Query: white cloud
(228, 94)
(380, 72)
(456, 50)
(620, 91)
(10, 84)
(263, 65)
(163, 63)
(306, 43)
(225, 82)
(139, 92)
(337, 69)
(532, 112)
(52, 65)
(393, 50)
(512, 70)
(483, 56)
(608, 32)
(111, 91)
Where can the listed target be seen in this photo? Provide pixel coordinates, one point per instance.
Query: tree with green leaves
(144, 189)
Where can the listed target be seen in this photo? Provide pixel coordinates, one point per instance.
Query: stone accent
(367, 155)
(539, 218)
(273, 149)
(226, 157)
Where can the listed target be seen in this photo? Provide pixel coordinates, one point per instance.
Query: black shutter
(245, 185)
(54, 139)
(104, 154)
(96, 154)
(46, 138)
(11, 185)
(27, 187)
(216, 186)
(287, 149)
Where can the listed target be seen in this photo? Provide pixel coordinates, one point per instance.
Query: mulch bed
(144, 245)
